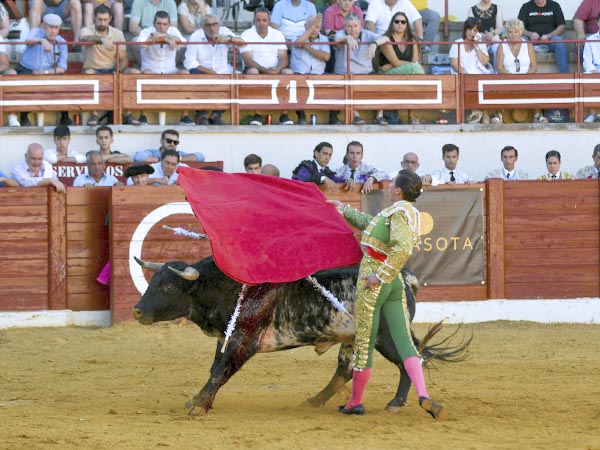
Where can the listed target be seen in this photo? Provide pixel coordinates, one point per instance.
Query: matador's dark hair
(410, 183)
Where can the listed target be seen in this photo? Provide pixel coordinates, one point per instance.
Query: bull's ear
(148, 265)
(189, 273)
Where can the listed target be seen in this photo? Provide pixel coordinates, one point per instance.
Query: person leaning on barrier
(35, 171)
(165, 171)
(61, 152)
(6, 181)
(138, 174)
(96, 174)
(509, 156)
(212, 59)
(355, 171)
(104, 139)
(310, 59)
(591, 172)
(317, 170)
(553, 162)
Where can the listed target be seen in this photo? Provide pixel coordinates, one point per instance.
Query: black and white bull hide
(273, 317)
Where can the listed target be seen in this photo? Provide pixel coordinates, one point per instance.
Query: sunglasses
(171, 141)
(517, 65)
(397, 21)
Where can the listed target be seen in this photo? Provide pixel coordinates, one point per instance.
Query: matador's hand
(372, 282)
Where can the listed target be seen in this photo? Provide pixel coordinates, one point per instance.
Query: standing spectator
(210, 59)
(553, 166)
(310, 59)
(138, 174)
(61, 8)
(289, 17)
(252, 163)
(591, 172)
(143, 13)
(410, 161)
(431, 22)
(585, 20)
(380, 14)
(6, 181)
(317, 170)
(62, 153)
(361, 56)
(104, 139)
(43, 55)
(96, 175)
(509, 156)
(591, 61)
(449, 174)
(265, 59)
(190, 14)
(114, 6)
(102, 57)
(355, 171)
(165, 172)
(544, 21)
(35, 171)
(169, 140)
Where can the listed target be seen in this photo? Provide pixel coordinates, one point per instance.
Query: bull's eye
(168, 287)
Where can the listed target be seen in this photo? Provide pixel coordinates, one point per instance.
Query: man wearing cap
(96, 174)
(45, 55)
(62, 138)
(60, 8)
(138, 175)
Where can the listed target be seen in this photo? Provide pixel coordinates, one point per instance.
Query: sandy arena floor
(525, 386)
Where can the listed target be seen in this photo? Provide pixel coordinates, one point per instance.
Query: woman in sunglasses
(516, 56)
(400, 57)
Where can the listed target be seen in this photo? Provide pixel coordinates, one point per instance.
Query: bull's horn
(148, 265)
(189, 273)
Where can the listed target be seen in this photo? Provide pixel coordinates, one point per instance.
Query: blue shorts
(59, 10)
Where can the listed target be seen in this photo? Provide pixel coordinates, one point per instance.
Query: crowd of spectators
(384, 38)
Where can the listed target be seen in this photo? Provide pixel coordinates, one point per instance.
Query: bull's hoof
(395, 405)
(435, 410)
(195, 409)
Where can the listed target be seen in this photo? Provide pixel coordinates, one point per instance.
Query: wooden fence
(542, 241)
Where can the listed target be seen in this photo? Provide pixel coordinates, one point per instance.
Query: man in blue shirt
(96, 175)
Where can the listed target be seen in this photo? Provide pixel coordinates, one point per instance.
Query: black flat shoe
(358, 410)
(435, 410)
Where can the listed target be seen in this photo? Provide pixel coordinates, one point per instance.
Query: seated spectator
(143, 13)
(289, 17)
(449, 174)
(310, 59)
(62, 153)
(104, 139)
(265, 59)
(64, 9)
(333, 18)
(270, 169)
(96, 175)
(317, 170)
(361, 56)
(169, 140)
(410, 161)
(553, 166)
(35, 171)
(380, 14)
(491, 20)
(516, 56)
(191, 13)
(585, 20)
(4, 22)
(102, 57)
(431, 22)
(252, 163)
(4, 66)
(544, 21)
(591, 61)
(138, 174)
(6, 181)
(114, 6)
(474, 59)
(42, 56)
(165, 171)
(509, 156)
(210, 59)
(591, 172)
(355, 171)
(398, 58)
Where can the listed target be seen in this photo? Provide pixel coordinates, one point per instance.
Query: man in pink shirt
(584, 21)
(334, 16)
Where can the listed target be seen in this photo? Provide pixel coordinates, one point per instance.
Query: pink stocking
(360, 379)
(415, 372)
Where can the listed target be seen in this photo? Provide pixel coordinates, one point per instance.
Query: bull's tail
(445, 350)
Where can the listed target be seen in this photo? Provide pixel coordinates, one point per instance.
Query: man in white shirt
(509, 156)
(165, 171)
(62, 138)
(96, 175)
(35, 171)
(289, 17)
(380, 12)
(160, 53)
(591, 172)
(449, 174)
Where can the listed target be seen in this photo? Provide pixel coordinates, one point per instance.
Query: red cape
(265, 229)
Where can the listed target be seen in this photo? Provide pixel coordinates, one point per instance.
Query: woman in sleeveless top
(491, 20)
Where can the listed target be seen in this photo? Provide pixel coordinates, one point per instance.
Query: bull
(273, 317)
